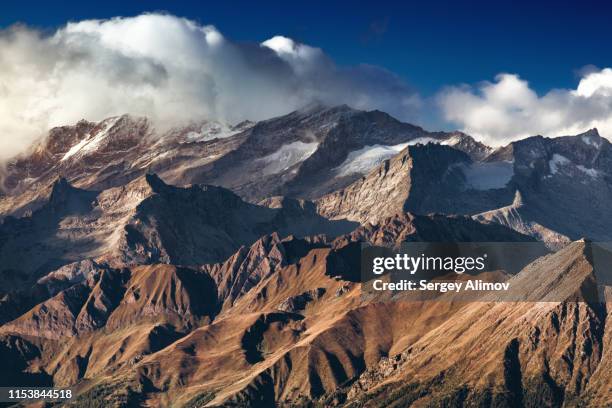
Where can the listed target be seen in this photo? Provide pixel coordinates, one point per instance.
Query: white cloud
(172, 70)
(301, 57)
(596, 83)
(508, 109)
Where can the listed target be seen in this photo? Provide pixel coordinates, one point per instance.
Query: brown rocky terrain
(280, 323)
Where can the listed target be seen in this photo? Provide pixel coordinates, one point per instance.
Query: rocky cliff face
(421, 179)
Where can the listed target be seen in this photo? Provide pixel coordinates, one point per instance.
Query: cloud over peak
(172, 70)
(508, 109)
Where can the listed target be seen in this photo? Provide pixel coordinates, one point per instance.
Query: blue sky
(429, 44)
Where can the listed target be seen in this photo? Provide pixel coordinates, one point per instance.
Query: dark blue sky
(429, 44)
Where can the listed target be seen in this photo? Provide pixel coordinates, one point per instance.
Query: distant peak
(592, 133)
(592, 138)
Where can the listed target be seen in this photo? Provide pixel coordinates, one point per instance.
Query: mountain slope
(516, 216)
(565, 183)
(421, 179)
(507, 353)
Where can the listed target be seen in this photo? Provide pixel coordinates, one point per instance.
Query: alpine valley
(219, 265)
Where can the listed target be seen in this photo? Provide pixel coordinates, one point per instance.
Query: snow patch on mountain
(485, 176)
(451, 141)
(556, 162)
(589, 172)
(288, 156)
(559, 162)
(363, 160)
(91, 142)
(592, 141)
(76, 148)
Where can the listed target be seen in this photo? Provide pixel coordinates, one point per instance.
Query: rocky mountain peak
(422, 178)
(591, 133)
(467, 144)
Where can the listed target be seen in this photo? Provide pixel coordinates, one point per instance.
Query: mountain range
(218, 265)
